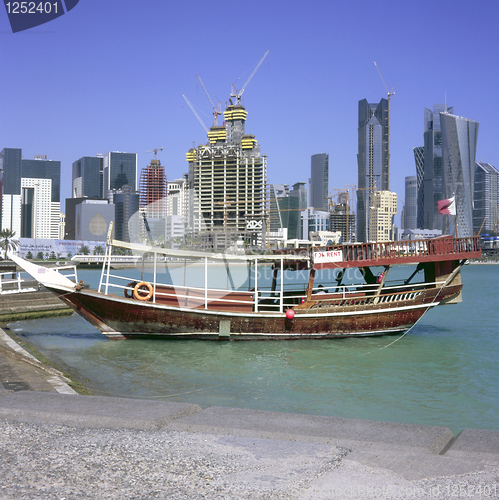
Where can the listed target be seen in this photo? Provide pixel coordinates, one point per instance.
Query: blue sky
(109, 76)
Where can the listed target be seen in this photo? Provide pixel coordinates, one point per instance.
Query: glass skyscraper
(486, 199)
(44, 169)
(87, 177)
(433, 176)
(286, 207)
(372, 159)
(319, 181)
(31, 191)
(120, 169)
(459, 139)
(411, 205)
(419, 159)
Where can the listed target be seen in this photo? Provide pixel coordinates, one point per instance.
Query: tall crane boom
(216, 111)
(237, 94)
(390, 93)
(195, 113)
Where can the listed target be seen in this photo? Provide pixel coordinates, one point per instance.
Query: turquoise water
(444, 372)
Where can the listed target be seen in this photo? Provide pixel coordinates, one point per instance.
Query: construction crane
(237, 94)
(155, 151)
(390, 93)
(252, 201)
(195, 113)
(216, 110)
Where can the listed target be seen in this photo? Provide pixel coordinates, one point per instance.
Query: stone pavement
(58, 445)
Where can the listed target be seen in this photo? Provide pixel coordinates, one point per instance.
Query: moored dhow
(348, 290)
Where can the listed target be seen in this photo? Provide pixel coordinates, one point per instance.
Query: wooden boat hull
(119, 317)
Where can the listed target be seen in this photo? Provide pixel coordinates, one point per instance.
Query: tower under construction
(152, 201)
(227, 178)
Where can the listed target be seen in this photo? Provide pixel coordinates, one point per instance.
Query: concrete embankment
(57, 444)
(31, 304)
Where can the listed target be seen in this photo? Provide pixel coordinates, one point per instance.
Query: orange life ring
(139, 288)
(130, 289)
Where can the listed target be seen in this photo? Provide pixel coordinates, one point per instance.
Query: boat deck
(439, 249)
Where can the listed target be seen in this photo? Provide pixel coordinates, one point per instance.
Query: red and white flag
(447, 206)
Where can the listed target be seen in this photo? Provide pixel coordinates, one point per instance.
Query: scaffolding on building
(152, 189)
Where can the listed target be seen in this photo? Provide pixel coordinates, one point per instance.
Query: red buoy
(290, 314)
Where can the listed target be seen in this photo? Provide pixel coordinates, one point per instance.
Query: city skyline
(78, 86)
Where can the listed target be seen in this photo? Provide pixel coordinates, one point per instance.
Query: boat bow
(47, 277)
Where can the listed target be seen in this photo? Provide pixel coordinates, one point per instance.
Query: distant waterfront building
(129, 224)
(286, 207)
(314, 221)
(153, 199)
(419, 160)
(319, 181)
(119, 169)
(459, 139)
(411, 205)
(486, 199)
(433, 176)
(153, 189)
(381, 214)
(92, 219)
(227, 182)
(175, 230)
(372, 160)
(30, 195)
(420, 234)
(88, 177)
(177, 199)
(342, 218)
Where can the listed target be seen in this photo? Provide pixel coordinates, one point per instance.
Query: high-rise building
(177, 199)
(88, 177)
(342, 218)
(319, 181)
(128, 221)
(153, 197)
(372, 159)
(119, 169)
(381, 214)
(153, 189)
(433, 175)
(30, 195)
(10, 165)
(286, 207)
(459, 139)
(227, 179)
(486, 199)
(411, 203)
(419, 159)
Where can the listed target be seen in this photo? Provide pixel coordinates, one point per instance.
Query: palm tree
(84, 250)
(7, 241)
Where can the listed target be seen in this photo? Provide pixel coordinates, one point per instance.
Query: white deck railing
(21, 282)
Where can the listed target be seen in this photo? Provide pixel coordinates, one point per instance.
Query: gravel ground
(66, 463)
(58, 462)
